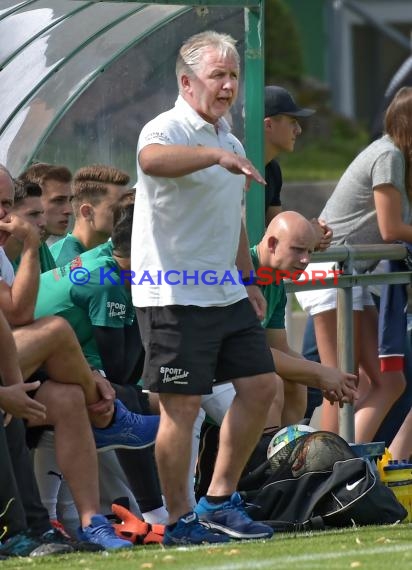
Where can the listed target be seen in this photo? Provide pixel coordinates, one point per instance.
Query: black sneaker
(24, 544)
(55, 536)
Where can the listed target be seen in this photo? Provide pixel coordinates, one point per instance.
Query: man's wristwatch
(247, 281)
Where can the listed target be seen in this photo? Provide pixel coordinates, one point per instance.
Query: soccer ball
(319, 452)
(284, 441)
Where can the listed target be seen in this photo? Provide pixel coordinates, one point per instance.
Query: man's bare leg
(295, 403)
(74, 444)
(50, 344)
(240, 431)
(173, 450)
(274, 415)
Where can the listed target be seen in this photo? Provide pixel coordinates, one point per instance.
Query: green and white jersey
(66, 249)
(87, 292)
(46, 259)
(275, 296)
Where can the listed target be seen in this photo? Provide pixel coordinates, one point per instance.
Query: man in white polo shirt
(196, 325)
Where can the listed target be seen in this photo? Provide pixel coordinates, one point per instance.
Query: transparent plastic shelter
(79, 79)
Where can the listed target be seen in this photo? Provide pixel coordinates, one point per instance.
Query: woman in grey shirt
(370, 204)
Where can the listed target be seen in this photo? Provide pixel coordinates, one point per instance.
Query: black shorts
(33, 434)
(188, 347)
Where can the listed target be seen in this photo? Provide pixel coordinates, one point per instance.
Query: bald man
(286, 248)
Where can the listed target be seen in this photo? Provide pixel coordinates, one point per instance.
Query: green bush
(319, 157)
(283, 50)
(329, 141)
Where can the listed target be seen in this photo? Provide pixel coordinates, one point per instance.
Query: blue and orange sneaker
(128, 430)
(230, 517)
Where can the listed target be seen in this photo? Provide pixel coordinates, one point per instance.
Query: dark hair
(398, 125)
(41, 172)
(122, 230)
(25, 190)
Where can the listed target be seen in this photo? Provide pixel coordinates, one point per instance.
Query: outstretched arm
(173, 161)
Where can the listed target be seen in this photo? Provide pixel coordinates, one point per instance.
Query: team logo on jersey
(76, 262)
(116, 309)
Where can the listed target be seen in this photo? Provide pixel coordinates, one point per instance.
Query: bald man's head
(289, 221)
(288, 242)
(6, 191)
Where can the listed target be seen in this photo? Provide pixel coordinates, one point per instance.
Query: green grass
(318, 158)
(377, 548)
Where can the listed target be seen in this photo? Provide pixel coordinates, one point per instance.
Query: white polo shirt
(190, 225)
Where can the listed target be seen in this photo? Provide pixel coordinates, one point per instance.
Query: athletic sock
(156, 516)
(213, 500)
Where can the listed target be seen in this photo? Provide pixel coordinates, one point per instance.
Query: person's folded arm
(388, 206)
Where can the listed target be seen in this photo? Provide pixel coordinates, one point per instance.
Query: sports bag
(320, 483)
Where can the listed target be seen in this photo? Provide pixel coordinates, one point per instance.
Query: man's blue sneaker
(188, 530)
(231, 518)
(101, 532)
(128, 430)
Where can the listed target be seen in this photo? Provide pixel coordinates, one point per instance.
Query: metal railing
(346, 256)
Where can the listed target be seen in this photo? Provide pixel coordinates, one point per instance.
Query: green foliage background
(329, 141)
(283, 50)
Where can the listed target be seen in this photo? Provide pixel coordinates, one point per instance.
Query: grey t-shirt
(350, 211)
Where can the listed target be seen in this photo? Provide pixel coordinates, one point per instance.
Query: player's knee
(263, 389)
(179, 409)
(68, 398)
(59, 330)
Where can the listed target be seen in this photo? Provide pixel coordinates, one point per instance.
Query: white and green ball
(283, 442)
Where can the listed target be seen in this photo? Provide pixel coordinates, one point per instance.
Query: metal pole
(254, 98)
(346, 357)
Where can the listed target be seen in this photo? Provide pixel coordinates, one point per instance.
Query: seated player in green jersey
(28, 206)
(285, 248)
(73, 398)
(92, 293)
(55, 183)
(96, 190)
